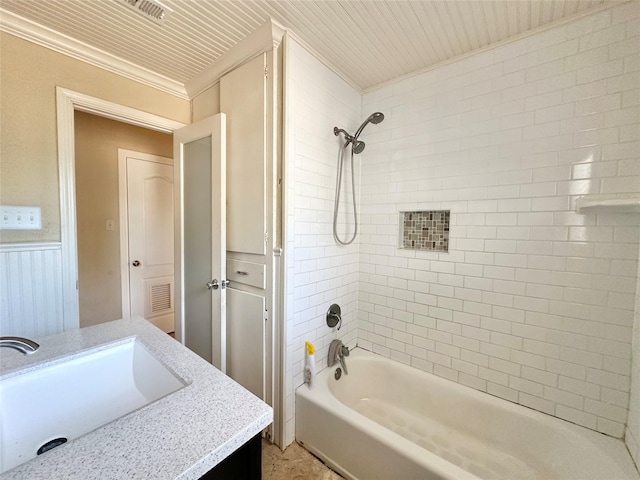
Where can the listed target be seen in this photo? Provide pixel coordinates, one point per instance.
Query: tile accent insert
(425, 230)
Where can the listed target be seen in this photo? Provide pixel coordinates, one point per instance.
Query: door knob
(214, 284)
(136, 263)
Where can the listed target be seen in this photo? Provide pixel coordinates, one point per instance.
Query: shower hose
(337, 203)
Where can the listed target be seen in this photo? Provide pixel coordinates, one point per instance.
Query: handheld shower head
(374, 118)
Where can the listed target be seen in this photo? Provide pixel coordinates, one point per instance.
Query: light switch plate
(20, 218)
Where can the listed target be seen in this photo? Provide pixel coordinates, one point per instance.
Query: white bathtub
(386, 421)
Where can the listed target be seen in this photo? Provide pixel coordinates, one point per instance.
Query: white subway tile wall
(318, 272)
(534, 302)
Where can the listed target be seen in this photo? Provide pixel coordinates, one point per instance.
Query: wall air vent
(151, 9)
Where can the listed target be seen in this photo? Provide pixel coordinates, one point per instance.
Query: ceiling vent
(151, 9)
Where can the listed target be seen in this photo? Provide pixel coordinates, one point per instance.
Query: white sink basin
(72, 397)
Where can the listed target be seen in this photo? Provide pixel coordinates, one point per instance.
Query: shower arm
(337, 131)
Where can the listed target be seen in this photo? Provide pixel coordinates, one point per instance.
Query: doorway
(97, 140)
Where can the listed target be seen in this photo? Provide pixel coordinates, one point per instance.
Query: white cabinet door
(245, 345)
(243, 100)
(200, 172)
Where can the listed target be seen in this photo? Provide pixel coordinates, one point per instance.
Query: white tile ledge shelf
(608, 203)
(181, 436)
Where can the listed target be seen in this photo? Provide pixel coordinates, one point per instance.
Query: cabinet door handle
(240, 272)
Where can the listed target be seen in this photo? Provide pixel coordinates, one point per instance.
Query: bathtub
(386, 420)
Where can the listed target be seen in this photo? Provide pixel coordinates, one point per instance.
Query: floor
(295, 463)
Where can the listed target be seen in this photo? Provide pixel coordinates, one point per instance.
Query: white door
(200, 238)
(150, 238)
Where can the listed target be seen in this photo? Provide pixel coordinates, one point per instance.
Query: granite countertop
(181, 436)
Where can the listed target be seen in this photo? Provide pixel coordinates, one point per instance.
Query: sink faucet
(24, 345)
(337, 352)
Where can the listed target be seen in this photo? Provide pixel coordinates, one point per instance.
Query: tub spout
(341, 356)
(24, 345)
(337, 352)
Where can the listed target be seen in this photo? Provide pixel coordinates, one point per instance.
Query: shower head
(358, 146)
(374, 118)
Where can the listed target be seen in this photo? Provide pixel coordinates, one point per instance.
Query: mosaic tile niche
(425, 230)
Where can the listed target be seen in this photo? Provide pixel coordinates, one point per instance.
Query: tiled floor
(295, 463)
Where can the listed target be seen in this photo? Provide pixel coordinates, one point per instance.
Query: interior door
(200, 238)
(150, 243)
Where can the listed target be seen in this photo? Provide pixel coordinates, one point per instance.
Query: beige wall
(632, 436)
(97, 143)
(206, 103)
(29, 75)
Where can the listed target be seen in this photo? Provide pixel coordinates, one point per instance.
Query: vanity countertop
(181, 436)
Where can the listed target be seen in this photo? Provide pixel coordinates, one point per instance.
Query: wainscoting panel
(30, 290)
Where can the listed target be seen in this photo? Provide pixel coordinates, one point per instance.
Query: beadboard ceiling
(367, 42)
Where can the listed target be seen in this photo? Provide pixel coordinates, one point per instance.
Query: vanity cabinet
(243, 464)
(211, 425)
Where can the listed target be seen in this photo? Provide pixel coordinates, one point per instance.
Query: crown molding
(48, 38)
(265, 38)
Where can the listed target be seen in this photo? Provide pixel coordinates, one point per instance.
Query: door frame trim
(123, 202)
(67, 101)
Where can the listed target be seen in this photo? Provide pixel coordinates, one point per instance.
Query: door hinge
(266, 315)
(266, 71)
